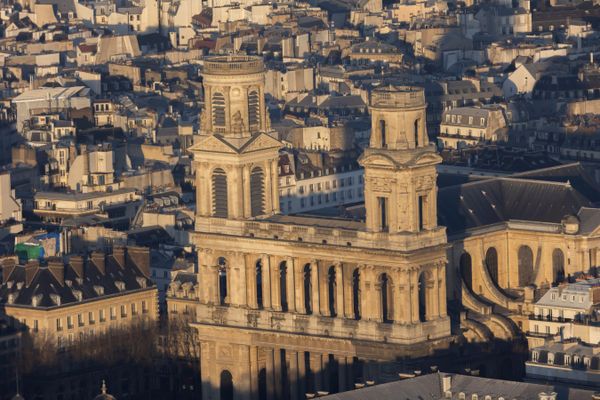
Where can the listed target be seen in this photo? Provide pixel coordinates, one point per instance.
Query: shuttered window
(219, 193)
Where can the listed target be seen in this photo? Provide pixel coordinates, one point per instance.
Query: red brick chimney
(119, 255)
(77, 264)
(99, 260)
(57, 269)
(31, 269)
(140, 256)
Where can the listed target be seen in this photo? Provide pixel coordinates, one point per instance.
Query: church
(286, 305)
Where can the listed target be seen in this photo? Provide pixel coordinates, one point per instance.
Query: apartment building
(306, 187)
(67, 301)
(468, 126)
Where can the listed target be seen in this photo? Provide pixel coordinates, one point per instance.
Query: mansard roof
(35, 285)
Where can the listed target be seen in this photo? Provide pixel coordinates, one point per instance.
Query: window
(123, 311)
(70, 322)
(134, 309)
(91, 319)
(80, 320)
(334, 183)
(174, 309)
(102, 316)
(59, 326)
(35, 325)
(113, 313)
(144, 307)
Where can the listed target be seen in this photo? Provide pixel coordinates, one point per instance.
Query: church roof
(494, 201)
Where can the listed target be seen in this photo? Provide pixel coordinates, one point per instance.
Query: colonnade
(324, 287)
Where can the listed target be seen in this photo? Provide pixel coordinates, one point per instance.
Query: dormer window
(78, 295)
(35, 300)
(120, 285)
(11, 298)
(99, 290)
(55, 299)
(141, 281)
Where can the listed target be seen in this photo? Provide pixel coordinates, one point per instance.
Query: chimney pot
(446, 383)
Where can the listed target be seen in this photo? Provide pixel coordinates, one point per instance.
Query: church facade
(286, 305)
(291, 304)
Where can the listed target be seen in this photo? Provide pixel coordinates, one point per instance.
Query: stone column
(246, 193)
(299, 289)
(302, 386)
(405, 298)
(268, 187)
(314, 277)
(275, 284)
(277, 372)
(340, 292)
(323, 277)
(316, 367)
(442, 292)
(270, 371)
(251, 296)
(254, 371)
(399, 298)
(348, 293)
(436, 292)
(292, 361)
(291, 284)
(365, 292)
(275, 182)
(342, 373)
(266, 278)
(414, 295)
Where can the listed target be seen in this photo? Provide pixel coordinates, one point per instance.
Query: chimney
(8, 266)
(446, 383)
(57, 269)
(119, 255)
(140, 256)
(77, 265)
(31, 270)
(99, 260)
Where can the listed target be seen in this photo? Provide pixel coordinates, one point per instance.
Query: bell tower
(400, 174)
(235, 159)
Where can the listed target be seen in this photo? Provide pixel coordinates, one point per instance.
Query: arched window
(382, 134)
(259, 285)
(525, 266)
(223, 299)
(219, 193)
(466, 269)
(387, 301)
(423, 289)
(257, 200)
(356, 294)
(226, 385)
(416, 132)
(218, 109)
(283, 285)
(558, 265)
(253, 108)
(307, 289)
(491, 263)
(331, 291)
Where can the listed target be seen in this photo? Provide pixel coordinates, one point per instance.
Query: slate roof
(500, 200)
(47, 284)
(430, 387)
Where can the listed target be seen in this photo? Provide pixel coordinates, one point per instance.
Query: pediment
(259, 142)
(428, 158)
(214, 144)
(378, 159)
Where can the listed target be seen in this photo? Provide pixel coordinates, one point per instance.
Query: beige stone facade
(289, 305)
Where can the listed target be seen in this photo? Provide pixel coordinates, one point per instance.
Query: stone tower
(287, 306)
(400, 174)
(235, 159)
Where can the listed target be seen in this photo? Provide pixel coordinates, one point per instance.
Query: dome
(103, 395)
